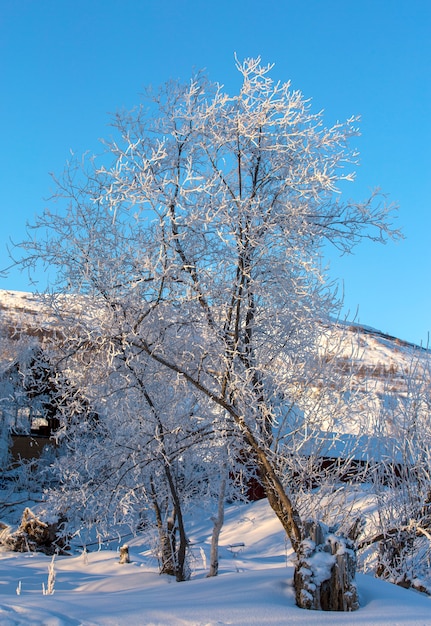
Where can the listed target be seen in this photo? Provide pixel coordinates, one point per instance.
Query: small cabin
(33, 396)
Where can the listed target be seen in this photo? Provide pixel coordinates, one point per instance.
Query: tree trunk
(179, 555)
(331, 588)
(218, 524)
(166, 539)
(325, 571)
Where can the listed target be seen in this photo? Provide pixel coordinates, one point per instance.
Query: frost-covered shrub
(33, 535)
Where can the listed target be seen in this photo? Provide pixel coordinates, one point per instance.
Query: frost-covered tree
(143, 460)
(198, 236)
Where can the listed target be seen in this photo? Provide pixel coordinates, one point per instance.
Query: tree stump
(34, 535)
(124, 554)
(325, 571)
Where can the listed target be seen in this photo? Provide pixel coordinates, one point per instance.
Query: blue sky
(66, 64)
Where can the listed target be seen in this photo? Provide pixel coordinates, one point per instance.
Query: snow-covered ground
(255, 582)
(254, 585)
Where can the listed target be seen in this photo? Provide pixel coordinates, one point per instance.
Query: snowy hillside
(24, 315)
(380, 375)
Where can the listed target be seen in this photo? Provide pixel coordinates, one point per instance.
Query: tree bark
(325, 571)
(166, 541)
(218, 525)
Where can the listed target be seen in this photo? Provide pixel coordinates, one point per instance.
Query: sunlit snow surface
(254, 585)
